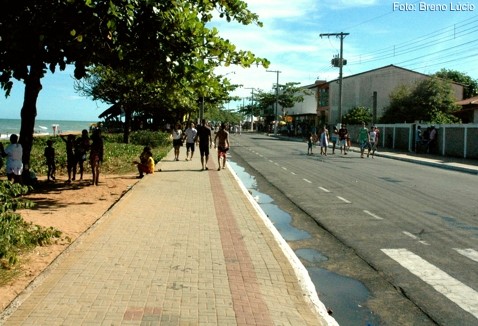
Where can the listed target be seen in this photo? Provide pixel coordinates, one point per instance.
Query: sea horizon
(44, 127)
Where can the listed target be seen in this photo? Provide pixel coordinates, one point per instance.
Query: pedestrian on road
(343, 135)
(373, 141)
(363, 139)
(177, 134)
(190, 136)
(221, 140)
(334, 139)
(310, 142)
(96, 155)
(324, 141)
(205, 142)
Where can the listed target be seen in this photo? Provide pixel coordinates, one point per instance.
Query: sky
(424, 36)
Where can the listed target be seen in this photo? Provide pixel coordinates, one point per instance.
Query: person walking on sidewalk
(70, 156)
(222, 143)
(177, 134)
(190, 135)
(205, 142)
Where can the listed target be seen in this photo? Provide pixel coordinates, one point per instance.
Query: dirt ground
(71, 208)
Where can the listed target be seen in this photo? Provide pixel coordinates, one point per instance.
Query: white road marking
(461, 294)
(323, 189)
(293, 173)
(284, 168)
(373, 215)
(414, 237)
(344, 200)
(307, 180)
(276, 163)
(410, 235)
(271, 161)
(468, 253)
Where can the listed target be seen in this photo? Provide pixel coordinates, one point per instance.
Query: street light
(277, 98)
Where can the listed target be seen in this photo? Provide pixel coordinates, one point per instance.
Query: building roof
(468, 101)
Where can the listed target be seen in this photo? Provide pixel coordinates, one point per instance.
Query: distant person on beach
(145, 163)
(222, 137)
(70, 156)
(82, 146)
(49, 154)
(96, 155)
(14, 154)
(205, 142)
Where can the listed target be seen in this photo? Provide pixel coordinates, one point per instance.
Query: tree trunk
(29, 111)
(127, 125)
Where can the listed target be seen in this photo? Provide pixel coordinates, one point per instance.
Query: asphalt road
(407, 231)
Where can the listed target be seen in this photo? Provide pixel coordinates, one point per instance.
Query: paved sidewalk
(183, 247)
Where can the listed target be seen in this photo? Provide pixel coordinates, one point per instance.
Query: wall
(455, 140)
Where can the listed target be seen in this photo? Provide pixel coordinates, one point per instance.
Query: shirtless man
(222, 143)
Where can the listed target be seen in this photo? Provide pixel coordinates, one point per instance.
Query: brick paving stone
(183, 247)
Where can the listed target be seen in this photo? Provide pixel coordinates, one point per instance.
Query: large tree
(159, 38)
(470, 84)
(429, 100)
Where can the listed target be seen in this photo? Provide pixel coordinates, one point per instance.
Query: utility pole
(277, 99)
(252, 107)
(340, 65)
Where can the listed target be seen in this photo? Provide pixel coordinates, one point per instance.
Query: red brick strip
(247, 299)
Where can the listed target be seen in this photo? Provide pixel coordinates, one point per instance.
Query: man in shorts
(343, 134)
(190, 135)
(222, 137)
(205, 142)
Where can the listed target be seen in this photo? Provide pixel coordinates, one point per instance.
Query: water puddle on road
(344, 295)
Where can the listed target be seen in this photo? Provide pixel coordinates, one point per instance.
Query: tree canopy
(430, 100)
(164, 41)
(470, 84)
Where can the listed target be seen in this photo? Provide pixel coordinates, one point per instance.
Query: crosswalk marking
(461, 294)
(469, 253)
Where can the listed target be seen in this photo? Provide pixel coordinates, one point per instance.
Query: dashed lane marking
(284, 168)
(410, 235)
(323, 189)
(344, 200)
(293, 173)
(373, 215)
(308, 181)
(461, 294)
(423, 242)
(468, 253)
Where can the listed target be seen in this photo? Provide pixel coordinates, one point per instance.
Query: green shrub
(150, 138)
(16, 234)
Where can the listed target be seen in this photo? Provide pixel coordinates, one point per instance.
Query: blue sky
(424, 36)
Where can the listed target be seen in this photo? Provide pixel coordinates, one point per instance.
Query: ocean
(43, 127)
